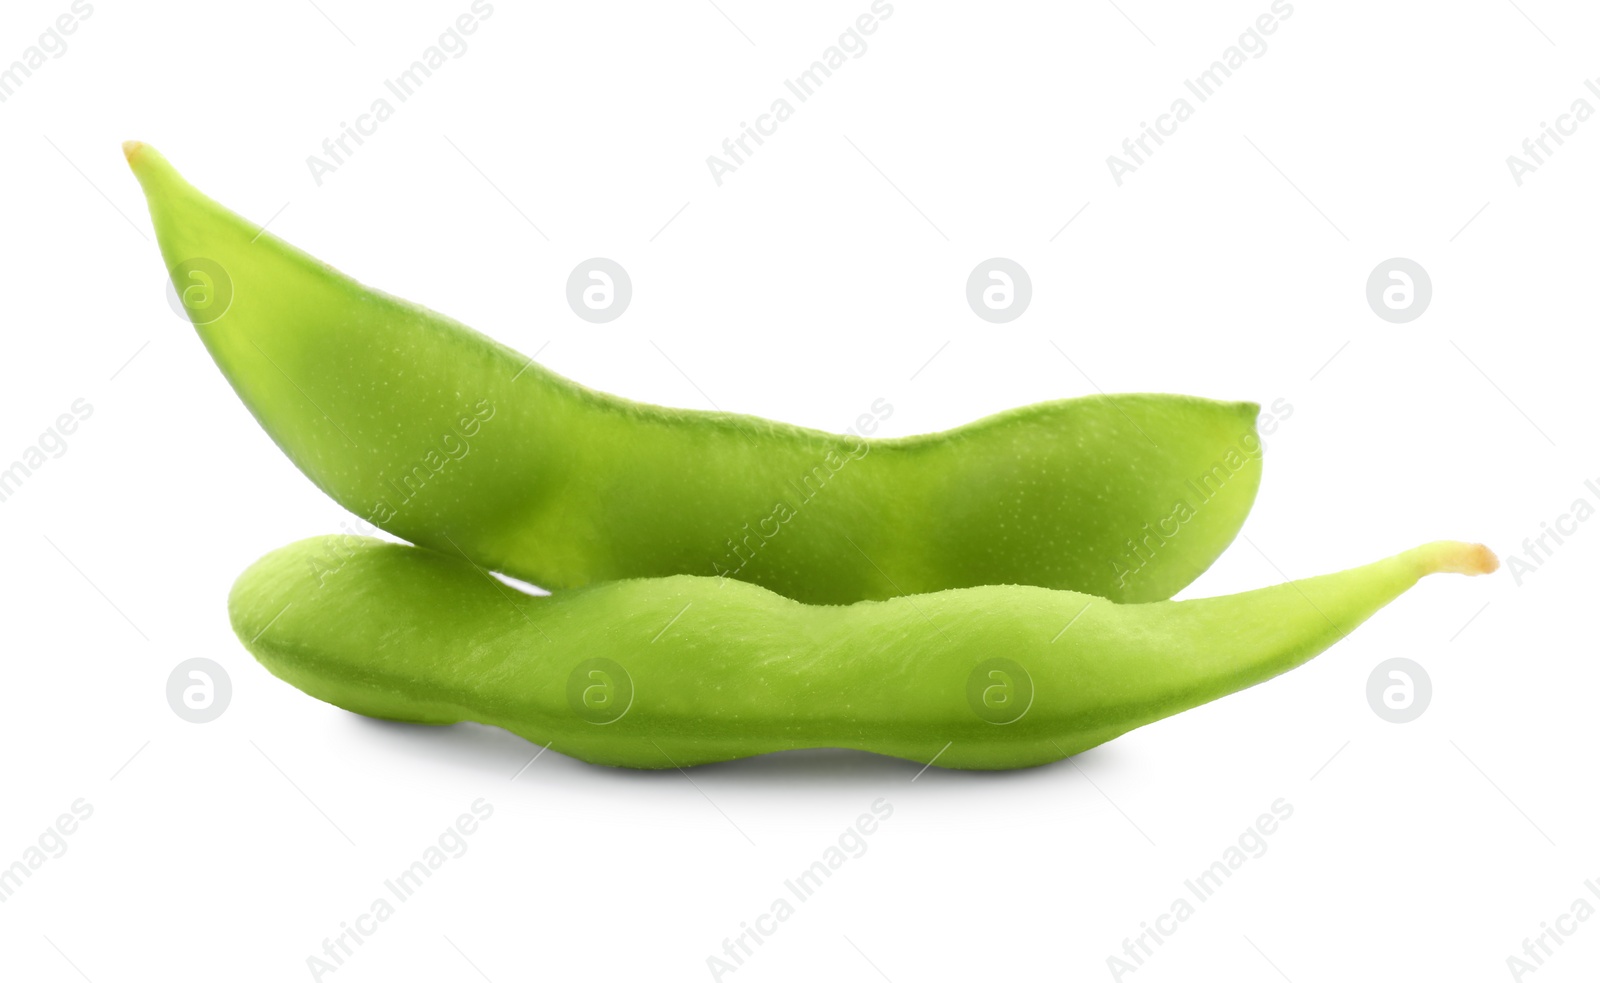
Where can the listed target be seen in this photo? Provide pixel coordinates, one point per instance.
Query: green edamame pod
(448, 439)
(687, 670)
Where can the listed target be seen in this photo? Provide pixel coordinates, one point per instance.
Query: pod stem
(1449, 556)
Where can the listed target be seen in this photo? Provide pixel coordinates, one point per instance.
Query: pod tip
(130, 148)
(1471, 559)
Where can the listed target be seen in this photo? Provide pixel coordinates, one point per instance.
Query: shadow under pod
(480, 749)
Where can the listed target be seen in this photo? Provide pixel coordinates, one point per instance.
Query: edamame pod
(687, 670)
(448, 439)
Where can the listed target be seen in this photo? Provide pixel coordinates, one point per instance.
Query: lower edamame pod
(688, 670)
(443, 437)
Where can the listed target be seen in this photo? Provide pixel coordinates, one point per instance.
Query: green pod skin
(680, 671)
(448, 439)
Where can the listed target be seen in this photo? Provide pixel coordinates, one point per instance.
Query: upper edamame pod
(687, 670)
(448, 439)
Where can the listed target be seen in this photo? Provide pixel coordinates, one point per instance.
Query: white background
(823, 274)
